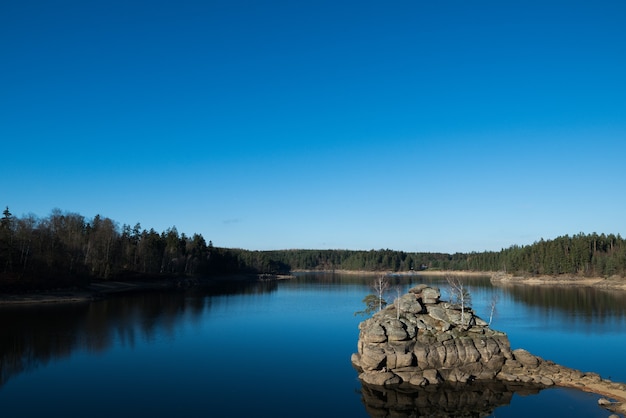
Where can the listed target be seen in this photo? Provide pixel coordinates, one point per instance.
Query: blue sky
(411, 125)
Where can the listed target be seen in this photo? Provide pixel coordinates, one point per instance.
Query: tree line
(593, 254)
(66, 249)
(598, 255)
(372, 260)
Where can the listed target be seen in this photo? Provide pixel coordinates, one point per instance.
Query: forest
(67, 249)
(596, 255)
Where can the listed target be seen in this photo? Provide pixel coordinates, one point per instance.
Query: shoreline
(103, 288)
(100, 289)
(614, 282)
(609, 283)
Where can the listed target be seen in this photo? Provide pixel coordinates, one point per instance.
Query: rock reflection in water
(447, 400)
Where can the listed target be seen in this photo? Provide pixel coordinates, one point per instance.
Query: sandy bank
(610, 283)
(498, 278)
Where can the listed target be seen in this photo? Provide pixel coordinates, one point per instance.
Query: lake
(277, 349)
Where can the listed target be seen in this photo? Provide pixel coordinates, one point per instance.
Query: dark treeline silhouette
(66, 249)
(582, 254)
(372, 260)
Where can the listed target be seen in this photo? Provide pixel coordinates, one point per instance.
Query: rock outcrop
(421, 340)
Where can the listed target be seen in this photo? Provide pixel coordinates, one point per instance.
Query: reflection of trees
(449, 400)
(31, 336)
(585, 301)
(242, 287)
(394, 279)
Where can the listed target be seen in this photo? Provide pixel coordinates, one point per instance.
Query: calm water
(276, 350)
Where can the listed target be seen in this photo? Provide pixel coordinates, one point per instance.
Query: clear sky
(438, 126)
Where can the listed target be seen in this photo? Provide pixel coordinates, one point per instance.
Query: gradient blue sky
(411, 125)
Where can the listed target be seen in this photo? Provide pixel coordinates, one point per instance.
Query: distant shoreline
(609, 283)
(100, 289)
(500, 278)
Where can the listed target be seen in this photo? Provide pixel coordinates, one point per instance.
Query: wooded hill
(67, 249)
(597, 255)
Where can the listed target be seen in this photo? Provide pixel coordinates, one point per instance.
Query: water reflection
(34, 335)
(232, 332)
(394, 279)
(583, 301)
(475, 400)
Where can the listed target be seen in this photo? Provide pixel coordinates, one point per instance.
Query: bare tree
(25, 232)
(375, 302)
(381, 285)
(492, 306)
(459, 294)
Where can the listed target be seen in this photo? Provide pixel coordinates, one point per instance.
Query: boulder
(373, 332)
(395, 330)
(430, 295)
(410, 304)
(525, 358)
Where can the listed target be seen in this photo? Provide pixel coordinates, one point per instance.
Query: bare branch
(380, 286)
(459, 294)
(493, 303)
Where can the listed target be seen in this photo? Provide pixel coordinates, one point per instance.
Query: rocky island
(421, 340)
